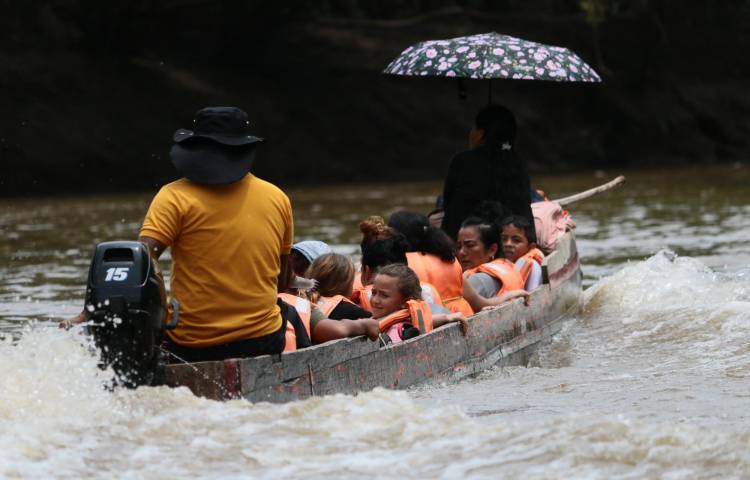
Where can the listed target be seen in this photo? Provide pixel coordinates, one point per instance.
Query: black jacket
(477, 175)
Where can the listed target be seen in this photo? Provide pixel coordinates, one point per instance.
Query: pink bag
(395, 332)
(551, 222)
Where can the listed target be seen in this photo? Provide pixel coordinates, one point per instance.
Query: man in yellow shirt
(230, 235)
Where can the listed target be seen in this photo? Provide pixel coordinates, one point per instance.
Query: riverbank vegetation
(94, 90)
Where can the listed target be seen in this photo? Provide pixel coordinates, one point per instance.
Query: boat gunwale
(292, 375)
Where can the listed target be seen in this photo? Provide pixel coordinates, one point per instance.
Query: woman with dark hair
(431, 257)
(381, 246)
(489, 170)
(487, 274)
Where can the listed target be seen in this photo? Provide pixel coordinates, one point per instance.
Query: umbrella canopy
(490, 56)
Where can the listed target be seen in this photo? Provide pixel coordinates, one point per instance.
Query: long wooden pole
(436, 219)
(591, 192)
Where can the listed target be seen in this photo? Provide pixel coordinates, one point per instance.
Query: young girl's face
(386, 297)
(515, 243)
(470, 250)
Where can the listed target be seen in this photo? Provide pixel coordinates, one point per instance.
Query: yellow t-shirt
(226, 244)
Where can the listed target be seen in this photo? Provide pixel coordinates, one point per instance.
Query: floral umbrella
(489, 56)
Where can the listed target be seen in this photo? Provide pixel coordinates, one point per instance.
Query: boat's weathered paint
(505, 336)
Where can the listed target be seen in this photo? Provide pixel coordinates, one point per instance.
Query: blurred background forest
(93, 90)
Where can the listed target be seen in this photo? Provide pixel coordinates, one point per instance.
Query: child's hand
(513, 294)
(371, 328)
(526, 297)
(461, 319)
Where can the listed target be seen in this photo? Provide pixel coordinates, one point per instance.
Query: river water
(650, 380)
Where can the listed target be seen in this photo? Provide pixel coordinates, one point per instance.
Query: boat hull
(505, 336)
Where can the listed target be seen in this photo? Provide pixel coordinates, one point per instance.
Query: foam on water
(650, 381)
(58, 421)
(669, 306)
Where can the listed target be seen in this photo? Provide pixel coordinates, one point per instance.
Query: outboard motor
(126, 309)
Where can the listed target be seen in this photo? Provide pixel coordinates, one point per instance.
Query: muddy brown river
(649, 381)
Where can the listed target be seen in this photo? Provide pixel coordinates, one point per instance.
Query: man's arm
(155, 247)
(285, 274)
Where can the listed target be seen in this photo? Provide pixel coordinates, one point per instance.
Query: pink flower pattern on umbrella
(481, 56)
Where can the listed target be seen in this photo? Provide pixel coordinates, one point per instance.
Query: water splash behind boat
(673, 317)
(675, 308)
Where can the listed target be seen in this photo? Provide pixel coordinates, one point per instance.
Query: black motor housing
(126, 309)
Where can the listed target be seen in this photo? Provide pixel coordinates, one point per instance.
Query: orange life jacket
(458, 304)
(304, 310)
(444, 276)
(361, 297)
(357, 282)
(533, 255)
(502, 270)
(328, 304)
(417, 312)
(430, 294)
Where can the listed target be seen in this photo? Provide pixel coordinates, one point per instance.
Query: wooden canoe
(504, 336)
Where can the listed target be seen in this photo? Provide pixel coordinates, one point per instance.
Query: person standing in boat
(489, 170)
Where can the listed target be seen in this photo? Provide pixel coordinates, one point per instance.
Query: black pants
(253, 347)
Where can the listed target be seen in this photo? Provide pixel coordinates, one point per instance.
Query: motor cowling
(126, 310)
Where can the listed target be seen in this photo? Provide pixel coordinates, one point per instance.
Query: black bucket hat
(220, 148)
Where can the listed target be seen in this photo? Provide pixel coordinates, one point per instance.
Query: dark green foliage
(94, 89)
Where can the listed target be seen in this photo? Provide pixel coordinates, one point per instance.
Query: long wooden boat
(504, 336)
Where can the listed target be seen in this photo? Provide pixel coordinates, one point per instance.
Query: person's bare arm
(479, 302)
(442, 319)
(507, 297)
(155, 247)
(69, 322)
(328, 329)
(475, 300)
(285, 274)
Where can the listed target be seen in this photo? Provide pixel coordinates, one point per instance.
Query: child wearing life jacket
(334, 274)
(382, 245)
(304, 253)
(310, 325)
(301, 256)
(398, 306)
(431, 255)
(488, 277)
(519, 246)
